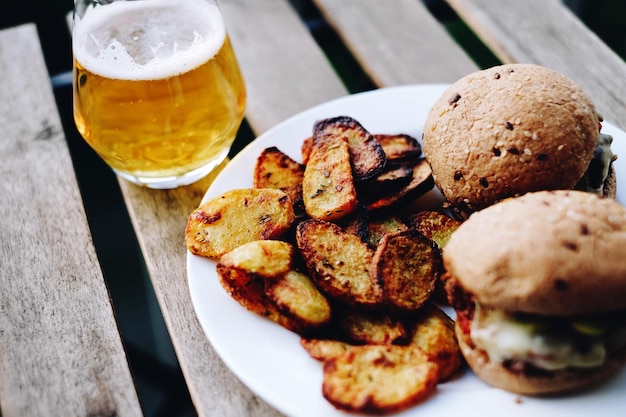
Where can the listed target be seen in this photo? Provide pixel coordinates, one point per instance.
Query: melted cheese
(503, 337)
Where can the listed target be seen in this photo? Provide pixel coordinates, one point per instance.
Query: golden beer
(157, 89)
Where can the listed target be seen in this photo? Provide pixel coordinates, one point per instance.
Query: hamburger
(538, 283)
(512, 129)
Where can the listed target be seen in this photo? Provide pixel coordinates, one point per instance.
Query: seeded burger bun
(508, 130)
(539, 286)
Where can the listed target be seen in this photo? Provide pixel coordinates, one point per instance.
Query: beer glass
(158, 93)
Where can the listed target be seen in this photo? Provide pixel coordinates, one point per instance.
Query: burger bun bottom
(558, 382)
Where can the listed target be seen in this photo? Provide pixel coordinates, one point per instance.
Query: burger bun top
(548, 252)
(508, 130)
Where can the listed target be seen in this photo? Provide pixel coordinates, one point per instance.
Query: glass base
(165, 183)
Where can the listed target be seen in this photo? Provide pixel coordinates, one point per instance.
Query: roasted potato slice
(306, 149)
(237, 217)
(437, 227)
(421, 182)
(338, 263)
(379, 227)
(356, 223)
(378, 378)
(367, 155)
(391, 179)
(249, 291)
(371, 328)
(407, 266)
(322, 349)
(275, 169)
(434, 225)
(258, 277)
(433, 332)
(399, 147)
(265, 258)
(297, 297)
(328, 189)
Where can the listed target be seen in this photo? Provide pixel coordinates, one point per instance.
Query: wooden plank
(60, 350)
(545, 32)
(284, 75)
(159, 218)
(397, 41)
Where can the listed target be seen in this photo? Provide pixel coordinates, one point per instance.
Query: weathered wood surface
(545, 32)
(60, 350)
(397, 42)
(284, 75)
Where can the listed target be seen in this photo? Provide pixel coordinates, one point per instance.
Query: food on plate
(378, 378)
(370, 328)
(266, 258)
(237, 217)
(434, 225)
(367, 156)
(399, 147)
(377, 228)
(326, 249)
(438, 227)
(259, 276)
(408, 266)
(433, 332)
(539, 286)
(512, 129)
(396, 362)
(420, 183)
(328, 188)
(322, 349)
(275, 169)
(338, 262)
(296, 296)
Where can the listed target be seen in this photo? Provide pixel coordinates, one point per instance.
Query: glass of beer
(158, 93)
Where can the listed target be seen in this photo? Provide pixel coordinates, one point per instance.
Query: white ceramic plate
(269, 359)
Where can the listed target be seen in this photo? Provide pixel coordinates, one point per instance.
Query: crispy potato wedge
(265, 258)
(371, 328)
(437, 227)
(433, 332)
(338, 263)
(366, 154)
(434, 225)
(237, 217)
(399, 147)
(421, 182)
(378, 378)
(249, 291)
(328, 189)
(275, 169)
(322, 349)
(407, 266)
(379, 227)
(297, 297)
(306, 149)
(286, 297)
(356, 223)
(391, 179)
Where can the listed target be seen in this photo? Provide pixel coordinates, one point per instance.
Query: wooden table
(60, 348)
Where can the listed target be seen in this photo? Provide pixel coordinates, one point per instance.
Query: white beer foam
(116, 41)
